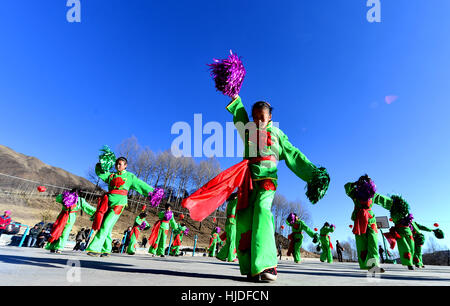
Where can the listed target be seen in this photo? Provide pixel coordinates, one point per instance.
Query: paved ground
(31, 266)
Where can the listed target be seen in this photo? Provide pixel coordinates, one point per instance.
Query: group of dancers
(249, 188)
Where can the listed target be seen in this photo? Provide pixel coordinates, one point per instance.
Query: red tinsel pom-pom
(436, 225)
(181, 217)
(390, 219)
(214, 219)
(315, 229)
(282, 227)
(41, 188)
(144, 207)
(351, 226)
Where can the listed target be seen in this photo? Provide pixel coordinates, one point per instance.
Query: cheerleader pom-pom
(291, 218)
(186, 231)
(318, 186)
(419, 239)
(156, 196)
(168, 215)
(228, 74)
(399, 209)
(438, 233)
(217, 230)
(107, 158)
(69, 199)
(436, 225)
(365, 188)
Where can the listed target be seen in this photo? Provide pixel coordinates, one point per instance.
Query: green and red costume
(66, 219)
(158, 237)
(365, 226)
(228, 251)
(213, 241)
(326, 245)
(296, 238)
(256, 180)
(179, 233)
(111, 206)
(140, 224)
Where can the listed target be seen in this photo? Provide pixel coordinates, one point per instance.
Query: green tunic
(179, 232)
(228, 251)
(298, 228)
(326, 254)
(255, 236)
(160, 244)
(214, 240)
(59, 244)
(101, 243)
(131, 249)
(367, 243)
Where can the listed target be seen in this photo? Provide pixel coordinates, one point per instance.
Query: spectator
(79, 239)
(43, 236)
(32, 236)
(86, 234)
(144, 241)
(381, 251)
(5, 220)
(115, 246)
(128, 234)
(339, 250)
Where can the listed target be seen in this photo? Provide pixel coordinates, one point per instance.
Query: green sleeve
(422, 227)
(104, 176)
(295, 160)
(349, 189)
(308, 230)
(383, 201)
(141, 186)
(59, 199)
(173, 224)
(237, 109)
(87, 208)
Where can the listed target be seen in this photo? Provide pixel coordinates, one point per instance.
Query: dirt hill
(31, 168)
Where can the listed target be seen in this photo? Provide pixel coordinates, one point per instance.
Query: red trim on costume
(117, 209)
(215, 192)
(362, 218)
(117, 191)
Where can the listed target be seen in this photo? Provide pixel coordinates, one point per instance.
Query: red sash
(58, 226)
(102, 208)
(177, 241)
(154, 234)
(215, 192)
(392, 237)
(135, 231)
(329, 239)
(362, 219)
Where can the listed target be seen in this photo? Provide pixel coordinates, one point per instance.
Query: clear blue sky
(137, 67)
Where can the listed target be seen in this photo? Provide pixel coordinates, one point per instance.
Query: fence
(14, 188)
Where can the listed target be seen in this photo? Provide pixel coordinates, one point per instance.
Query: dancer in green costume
(265, 145)
(213, 241)
(158, 237)
(71, 204)
(296, 237)
(112, 204)
(363, 194)
(325, 242)
(228, 251)
(419, 241)
(179, 234)
(140, 224)
(255, 177)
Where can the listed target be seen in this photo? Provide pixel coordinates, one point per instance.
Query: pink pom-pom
(156, 196)
(228, 74)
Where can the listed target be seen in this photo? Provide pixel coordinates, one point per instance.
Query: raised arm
(308, 230)
(240, 116)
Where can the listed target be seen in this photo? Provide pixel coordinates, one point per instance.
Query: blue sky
(137, 67)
